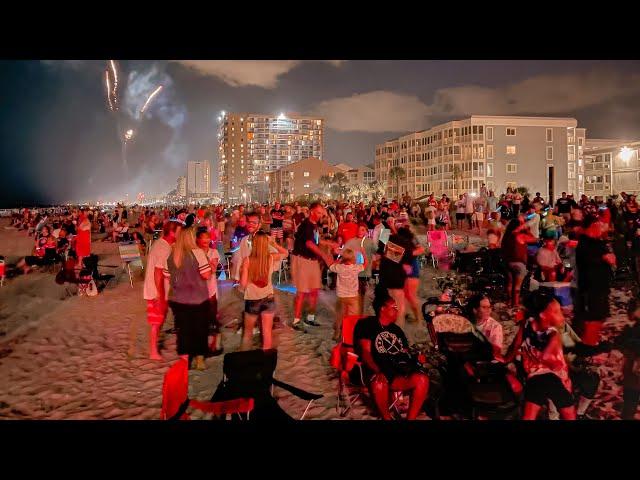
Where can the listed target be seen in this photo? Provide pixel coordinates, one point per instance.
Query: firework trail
(153, 94)
(115, 81)
(106, 75)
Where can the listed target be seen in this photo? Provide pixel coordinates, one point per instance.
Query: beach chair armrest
(227, 407)
(297, 391)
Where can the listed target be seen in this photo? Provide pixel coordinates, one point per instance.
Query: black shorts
(362, 285)
(256, 307)
(459, 216)
(548, 386)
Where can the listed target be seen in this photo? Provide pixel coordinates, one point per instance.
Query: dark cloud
(59, 142)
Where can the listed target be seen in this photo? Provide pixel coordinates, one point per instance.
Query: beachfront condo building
(251, 146)
(611, 167)
(544, 154)
(181, 186)
(198, 179)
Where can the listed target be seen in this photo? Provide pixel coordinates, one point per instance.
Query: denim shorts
(256, 307)
(518, 269)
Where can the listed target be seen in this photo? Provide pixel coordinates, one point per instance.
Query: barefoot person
(156, 289)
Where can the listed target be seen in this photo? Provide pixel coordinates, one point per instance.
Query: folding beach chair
(438, 244)
(176, 402)
(130, 255)
(250, 375)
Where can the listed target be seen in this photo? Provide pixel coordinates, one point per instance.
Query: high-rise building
(198, 179)
(544, 154)
(181, 187)
(252, 145)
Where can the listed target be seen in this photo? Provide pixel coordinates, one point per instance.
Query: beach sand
(66, 357)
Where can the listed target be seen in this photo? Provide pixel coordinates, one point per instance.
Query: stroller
(472, 384)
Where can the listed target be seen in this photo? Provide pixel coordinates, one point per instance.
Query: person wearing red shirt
(347, 230)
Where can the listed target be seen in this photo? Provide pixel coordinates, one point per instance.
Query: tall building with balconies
(611, 167)
(198, 180)
(544, 154)
(251, 146)
(181, 186)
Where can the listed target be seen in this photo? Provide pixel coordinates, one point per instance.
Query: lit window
(512, 168)
(306, 185)
(511, 132)
(489, 169)
(511, 149)
(306, 174)
(489, 151)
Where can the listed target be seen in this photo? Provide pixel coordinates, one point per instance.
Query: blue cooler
(562, 290)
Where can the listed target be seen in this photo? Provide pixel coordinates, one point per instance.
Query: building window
(511, 132)
(512, 168)
(305, 174)
(511, 149)
(489, 151)
(306, 185)
(571, 170)
(580, 141)
(549, 153)
(490, 134)
(549, 134)
(489, 169)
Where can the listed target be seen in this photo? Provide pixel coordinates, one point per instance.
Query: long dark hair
(537, 302)
(509, 236)
(474, 304)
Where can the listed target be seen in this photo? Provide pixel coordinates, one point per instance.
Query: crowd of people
(357, 248)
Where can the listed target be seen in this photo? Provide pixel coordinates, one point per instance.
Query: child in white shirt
(348, 302)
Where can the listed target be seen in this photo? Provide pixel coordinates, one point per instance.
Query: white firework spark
(153, 94)
(115, 81)
(106, 75)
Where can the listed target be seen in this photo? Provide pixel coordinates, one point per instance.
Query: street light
(626, 154)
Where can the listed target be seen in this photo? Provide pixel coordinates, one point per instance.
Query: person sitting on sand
(44, 252)
(120, 231)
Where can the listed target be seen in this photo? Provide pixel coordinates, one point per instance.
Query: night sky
(59, 141)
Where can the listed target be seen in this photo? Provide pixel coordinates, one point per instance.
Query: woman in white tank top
(255, 279)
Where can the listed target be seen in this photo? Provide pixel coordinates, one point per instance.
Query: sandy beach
(66, 357)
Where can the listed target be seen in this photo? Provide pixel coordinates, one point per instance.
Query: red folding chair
(344, 359)
(175, 399)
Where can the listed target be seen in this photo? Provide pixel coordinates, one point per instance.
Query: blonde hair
(185, 244)
(348, 255)
(260, 258)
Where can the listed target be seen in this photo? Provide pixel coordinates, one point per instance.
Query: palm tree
(340, 180)
(325, 181)
(397, 173)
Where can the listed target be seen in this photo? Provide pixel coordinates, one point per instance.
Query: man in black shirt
(277, 214)
(563, 206)
(386, 363)
(395, 264)
(593, 264)
(305, 266)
